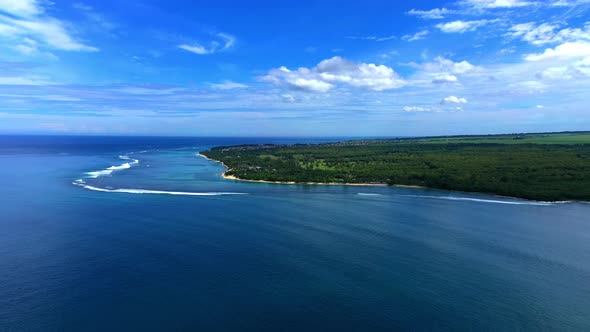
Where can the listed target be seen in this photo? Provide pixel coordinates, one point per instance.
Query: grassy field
(533, 166)
(557, 138)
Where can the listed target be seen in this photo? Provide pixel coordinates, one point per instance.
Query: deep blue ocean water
(85, 249)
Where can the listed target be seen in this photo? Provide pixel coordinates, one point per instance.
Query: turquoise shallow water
(269, 257)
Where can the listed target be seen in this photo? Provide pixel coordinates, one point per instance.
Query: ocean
(142, 234)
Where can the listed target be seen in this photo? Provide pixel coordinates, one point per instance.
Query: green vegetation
(534, 166)
(550, 138)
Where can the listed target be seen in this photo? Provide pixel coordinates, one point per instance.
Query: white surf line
(204, 156)
(369, 194)
(111, 169)
(81, 183)
(452, 198)
(224, 165)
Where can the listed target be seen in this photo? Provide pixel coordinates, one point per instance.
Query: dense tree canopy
(541, 171)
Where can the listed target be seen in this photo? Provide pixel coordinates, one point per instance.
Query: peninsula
(545, 166)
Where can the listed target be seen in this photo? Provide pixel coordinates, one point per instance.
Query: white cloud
(49, 31)
(540, 106)
(21, 7)
(528, 87)
(228, 85)
(462, 26)
(569, 3)
(195, 48)
(375, 38)
(311, 85)
(553, 73)
(443, 65)
(27, 21)
(567, 50)
(545, 33)
(23, 80)
(417, 109)
(336, 71)
(417, 36)
(576, 34)
(386, 38)
(534, 34)
(7, 30)
(288, 98)
(481, 4)
(389, 54)
(433, 14)
(453, 100)
(228, 39)
(568, 61)
(27, 47)
(567, 71)
(445, 79)
(443, 71)
(224, 42)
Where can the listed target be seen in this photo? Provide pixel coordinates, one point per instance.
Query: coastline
(235, 178)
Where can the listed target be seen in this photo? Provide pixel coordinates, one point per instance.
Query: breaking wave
(110, 170)
(82, 183)
(493, 201)
(128, 164)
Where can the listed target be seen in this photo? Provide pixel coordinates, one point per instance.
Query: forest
(548, 167)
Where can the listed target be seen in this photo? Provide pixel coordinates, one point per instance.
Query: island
(540, 166)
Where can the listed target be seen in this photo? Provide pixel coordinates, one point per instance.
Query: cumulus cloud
(453, 100)
(26, 19)
(433, 14)
(567, 71)
(462, 26)
(442, 71)
(567, 50)
(312, 85)
(566, 61)
(442, 65)
(336, 71)
(417, 36)
(224, 41)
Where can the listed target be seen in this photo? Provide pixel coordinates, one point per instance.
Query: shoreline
(232, 177)
(235, 178)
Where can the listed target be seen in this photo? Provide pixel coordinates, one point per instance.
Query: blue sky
(305, 68)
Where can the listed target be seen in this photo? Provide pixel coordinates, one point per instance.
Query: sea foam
(493, 201)
(111, 169)
(152, 192)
